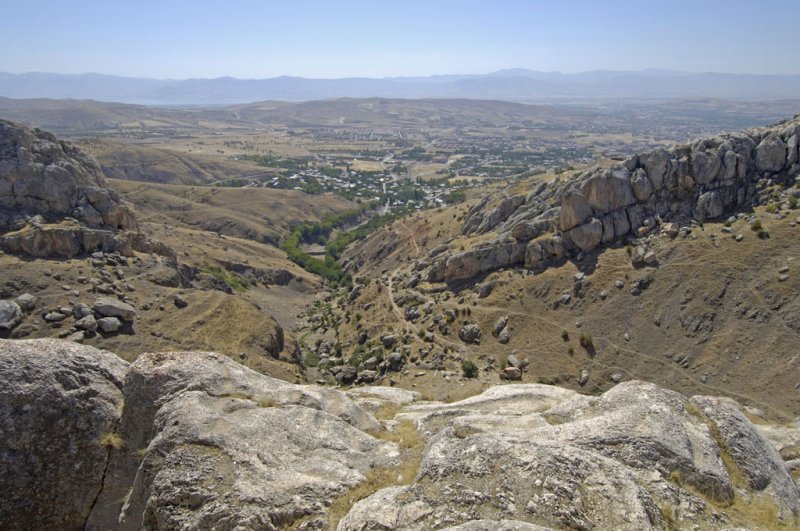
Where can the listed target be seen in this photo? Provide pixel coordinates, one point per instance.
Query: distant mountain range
(510, 85)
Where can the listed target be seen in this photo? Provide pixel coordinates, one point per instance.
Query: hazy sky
(257, 39)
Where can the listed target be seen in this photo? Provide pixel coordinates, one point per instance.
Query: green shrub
(586, 341)
(469, 369)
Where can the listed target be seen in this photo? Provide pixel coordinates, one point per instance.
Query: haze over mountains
(512, 85)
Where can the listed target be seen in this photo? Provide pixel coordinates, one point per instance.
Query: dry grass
(112, 440)
(411, 444)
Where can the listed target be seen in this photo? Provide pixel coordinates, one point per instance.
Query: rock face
(41, 176)
(638, 457)
(54, 201)
(204, 443)
(703, 180)
(59, 405)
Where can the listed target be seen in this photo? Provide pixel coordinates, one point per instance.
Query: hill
(512, 85)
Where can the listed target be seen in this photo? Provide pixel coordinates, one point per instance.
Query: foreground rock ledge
(194, 440)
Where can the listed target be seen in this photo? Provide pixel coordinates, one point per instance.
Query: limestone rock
(26, 302)
(709, 205)
(770, 154)
(60, 403)
(88, 323)
(111, 307)
(225, 447)
(41, 176)
(470, 333)
(575, 210)
(108, 325)
(642, 187)
(587, 236)
(510, 373)
(10, 315)
(608, 191)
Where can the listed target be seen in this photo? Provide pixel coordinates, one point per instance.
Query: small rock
(604, 294)
(511, 373)
(180, 301)
(783, 278)
(616, 377)
(54, 317)
(583, 378)
(739, 237)
(619, 284)
(504, 336)
(389, 341)
(88, 323)
(784, 269)
(10, 315)
(26, 302)
(109, 324)
(76, 336)
(81, 310)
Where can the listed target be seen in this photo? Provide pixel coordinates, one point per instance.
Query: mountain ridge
(510, 84)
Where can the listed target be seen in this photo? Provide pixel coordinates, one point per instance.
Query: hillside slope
(699, 307)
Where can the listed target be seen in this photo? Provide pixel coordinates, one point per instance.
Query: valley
(419, 277)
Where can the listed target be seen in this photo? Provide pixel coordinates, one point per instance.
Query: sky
(179, 39)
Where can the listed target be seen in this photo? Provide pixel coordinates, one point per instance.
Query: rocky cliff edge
(194, 440)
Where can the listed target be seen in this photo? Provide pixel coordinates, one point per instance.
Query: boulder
(108, 325)
(470, 333)
(110, 307)
(223, 447)
(642, 187)
(658, 165)
(511, 373)
(705, 166)
(26, 302)
(587, 236)
(608, 191)
(770, 154)
(89, 323)
(60, 404)
(575, 210)
(709, 205)
(10, 315)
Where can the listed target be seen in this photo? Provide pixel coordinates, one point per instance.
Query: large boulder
(587, 236)
(219, 446)
(111, 307)
(771, 154)
(709, 205)
(60, 404)
(10, 315)
(609, 191)
(642, 187)
(575, 210)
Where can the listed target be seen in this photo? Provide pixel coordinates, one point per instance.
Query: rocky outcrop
(54, 201)
(204, 443)
(638, 457)
(60, 404)
(39, 175)
(703, 180)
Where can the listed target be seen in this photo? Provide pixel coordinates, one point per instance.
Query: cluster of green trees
(319, 233)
